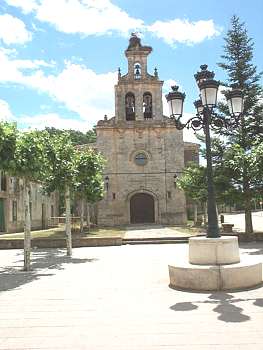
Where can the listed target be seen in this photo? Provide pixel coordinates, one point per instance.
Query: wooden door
(142, 208)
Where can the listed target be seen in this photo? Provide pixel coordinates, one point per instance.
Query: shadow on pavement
(41, 259)
(186, 306)
(253, 248)
(228, 312)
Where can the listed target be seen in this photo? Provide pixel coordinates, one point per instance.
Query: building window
(2, 181)
(130, 106)
(52, 210)
(147, 105)
(15, 184)
(14, 211)
(30, 210)
(141, 159)
(137, 71)
(169, 195)
(113, 195)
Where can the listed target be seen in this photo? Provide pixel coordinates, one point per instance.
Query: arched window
(130, 106)
(147, 105)
(137, 71)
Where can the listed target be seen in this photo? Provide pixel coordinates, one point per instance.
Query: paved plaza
(238, 219)
(117, 298)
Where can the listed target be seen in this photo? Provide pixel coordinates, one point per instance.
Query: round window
(141, 159)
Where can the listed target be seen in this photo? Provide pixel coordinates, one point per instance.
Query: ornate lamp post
(206, 119)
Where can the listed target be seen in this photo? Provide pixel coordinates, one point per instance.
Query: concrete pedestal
(214, 264)
(213, 251)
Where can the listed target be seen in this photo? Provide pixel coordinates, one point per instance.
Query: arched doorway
(142, 208)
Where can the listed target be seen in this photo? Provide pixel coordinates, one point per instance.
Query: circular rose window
(141, 159)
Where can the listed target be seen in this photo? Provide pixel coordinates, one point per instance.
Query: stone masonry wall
(163, 145)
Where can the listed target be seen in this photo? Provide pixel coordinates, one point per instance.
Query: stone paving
(117, 298)
(239, 221)
(152, 231)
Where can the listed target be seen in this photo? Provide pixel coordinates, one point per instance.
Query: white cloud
(26, 6)
(184, 31)
(13, 70)
(80, 89)
(99, 17)
(86, 17)
(40, 121)
(13, 30)
(5, 112)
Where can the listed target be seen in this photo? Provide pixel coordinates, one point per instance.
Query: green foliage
(76, 137)
(80, 170)
(89, 180)
(60, 163)
(239, 160)
(237, 61)
(29, 156)
(8, 135)
(194, 183)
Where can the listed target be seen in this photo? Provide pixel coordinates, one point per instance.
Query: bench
(227, 227)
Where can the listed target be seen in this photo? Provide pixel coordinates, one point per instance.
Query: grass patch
(189, 230)
(105, 232)
(56, 233)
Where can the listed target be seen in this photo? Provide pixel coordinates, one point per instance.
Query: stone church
(143, 149)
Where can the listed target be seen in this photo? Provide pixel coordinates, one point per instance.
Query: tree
(77, 137)
(8, 135)
(89, 184)
(237, 62)
(29, 165)
(61, 174)
(194, 183)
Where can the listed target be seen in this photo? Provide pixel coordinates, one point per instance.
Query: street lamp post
(206, 119)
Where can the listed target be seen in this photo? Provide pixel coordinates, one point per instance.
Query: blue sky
(58, 58)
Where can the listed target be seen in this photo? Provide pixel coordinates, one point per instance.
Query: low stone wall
(61, 243)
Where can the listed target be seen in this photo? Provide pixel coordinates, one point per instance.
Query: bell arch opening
(130, 106)
(147, 105)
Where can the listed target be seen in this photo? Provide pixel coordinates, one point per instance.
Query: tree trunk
(27, 227)
(88, 217)
(246, 187)
(248, 213)
(205, 213)
(195, 214)
(68, 222)
(217, 210)
(81, 215)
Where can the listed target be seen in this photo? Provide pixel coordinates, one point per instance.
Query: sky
(59, 58)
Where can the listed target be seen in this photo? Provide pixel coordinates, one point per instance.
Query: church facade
(144, 151)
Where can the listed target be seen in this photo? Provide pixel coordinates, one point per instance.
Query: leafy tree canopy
(89, 180)
(60, 162)
(29, 156)
(194, 183)
(77, 137)
(8, 135)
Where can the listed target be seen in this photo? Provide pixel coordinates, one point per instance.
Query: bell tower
(138, 94)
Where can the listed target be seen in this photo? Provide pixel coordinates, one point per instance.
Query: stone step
(155, 240)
